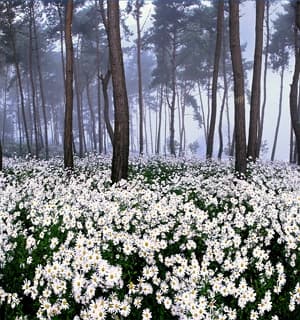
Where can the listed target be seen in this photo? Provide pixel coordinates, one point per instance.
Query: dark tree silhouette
(295, 118)
(218, 47)
(239, 95)
(255, 92)
(68, 147)
(121, 130)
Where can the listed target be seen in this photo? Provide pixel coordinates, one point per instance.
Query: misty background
(31, 40)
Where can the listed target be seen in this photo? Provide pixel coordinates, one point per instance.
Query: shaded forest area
(64, 90)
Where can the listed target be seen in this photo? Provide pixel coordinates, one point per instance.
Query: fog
(32, 41)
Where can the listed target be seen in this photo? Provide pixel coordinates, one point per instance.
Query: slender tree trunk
(145, 132)
(262, 117)
(255, 92)
(202, 113)
(294, 86)
(138, 5)
(38, 62)
(221, 143)
(31, 76)
(92, 113)
(151, 131)
(100, 137)
(68, 147)
(218, 47)
(239, 95)
(78, 104)
(121, 132)
(279, 113)
(173, 101)
(157, 150)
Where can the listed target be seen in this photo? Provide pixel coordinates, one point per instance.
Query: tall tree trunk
(150, 130)
(68, 147)
(78, 91)
(239, 95)
(279, 113)
(157, 149)
(92, 113)
(31, 76)
(121, 132)
(138, 5)
(172, 103)
(218, 47)
(221, 143)
(38, 62)
(262, 117)
(202, 112)
(100, 136)
(255, 92)
(295, 117)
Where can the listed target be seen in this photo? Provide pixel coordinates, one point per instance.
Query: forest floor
(181, 239)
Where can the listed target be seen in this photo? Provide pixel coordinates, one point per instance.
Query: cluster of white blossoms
(199, 244)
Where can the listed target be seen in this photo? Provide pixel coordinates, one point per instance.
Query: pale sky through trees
(247, 29)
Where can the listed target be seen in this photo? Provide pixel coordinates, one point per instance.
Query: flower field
(181, 239)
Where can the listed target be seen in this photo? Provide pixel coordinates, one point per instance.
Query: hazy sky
(247, 34)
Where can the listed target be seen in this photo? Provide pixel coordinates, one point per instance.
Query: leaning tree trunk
(279, 113)
(211, 131)
(121, 132)
(68, 146)
(239, 94)
(255, 92)
(295, 118)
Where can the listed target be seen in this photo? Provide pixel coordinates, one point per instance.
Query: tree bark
(92, 113)
(295, 118)
(68, 146)
(239, 95)
(211, 131)
(279, 113)
(255, 92)
(140, 80)
(262, 117)
(121, 132)
(78, 91)
(172, 103)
